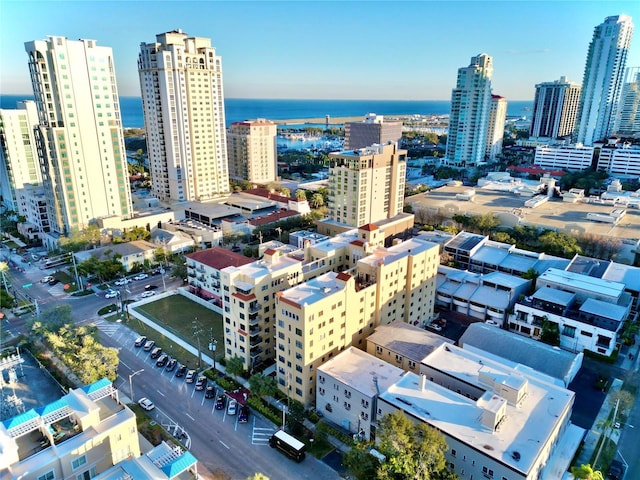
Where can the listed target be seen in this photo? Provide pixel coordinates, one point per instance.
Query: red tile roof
(270, 251)
(343, 276)
(358, 243)
(273, 217)
(219, 258)
(535, 170)
(369, 227)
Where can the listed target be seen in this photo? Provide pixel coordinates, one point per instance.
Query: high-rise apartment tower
(81, 144)
(183, 103)
(251, 146)
(628, 120)
(470, 105)
(366, 185)
(555, 108)
(495, 126)
(603, 78)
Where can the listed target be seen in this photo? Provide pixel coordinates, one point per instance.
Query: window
(78, 462)
(569, 331)
(47, 476)
(453, 452)
(487, 472)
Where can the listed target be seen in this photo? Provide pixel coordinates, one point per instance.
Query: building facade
(251, 146)
(366, 185)
(628, 119)
(19, 163)
(373, 130)
(317, 319)
(469, 119)
(183, 104)
(554, 109)
(80, 139)
(495, 130)
(622, 161)
(603, 78)
(564, 157)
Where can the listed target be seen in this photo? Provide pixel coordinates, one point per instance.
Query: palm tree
(317, 200)
(300, 194)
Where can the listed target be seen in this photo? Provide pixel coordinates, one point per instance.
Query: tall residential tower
(603, 78)
(252, 151)
(470, 105)
(183, 103)
(555, 108)
(81, 143)
(628, 120)
(495, 126)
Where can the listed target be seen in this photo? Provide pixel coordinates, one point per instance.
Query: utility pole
(213, 343)
(196, 333)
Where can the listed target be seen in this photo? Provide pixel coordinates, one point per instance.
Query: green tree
(550, 333)
(413, 450)
(559, 243)
(262, 385)
(179, 267)
(295, 418)
(586, 472)
(503, 237)
(360, 463)
(301, 194)
(79, 240)
(136, 233)
(235, 366)
(317, 200)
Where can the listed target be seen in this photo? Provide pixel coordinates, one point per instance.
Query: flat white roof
(361, 371)
(604, 309)
(395, 252)
(406, 340)
(553, 295)
(525, 429)
(313, 290)
(577, 281)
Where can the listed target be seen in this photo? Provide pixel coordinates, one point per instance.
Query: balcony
(255, 321)
(255, 352)
(254, 307)
(253, 341)
(255, 330)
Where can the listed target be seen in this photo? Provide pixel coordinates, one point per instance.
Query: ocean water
(238, 109)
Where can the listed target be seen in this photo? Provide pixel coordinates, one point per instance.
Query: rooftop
(362, 371)
(219, 258)
(383, 255)
(518, 441)
(313, 290)
(570, 280)
(411, 342)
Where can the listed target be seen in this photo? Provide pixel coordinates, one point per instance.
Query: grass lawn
(177, 313)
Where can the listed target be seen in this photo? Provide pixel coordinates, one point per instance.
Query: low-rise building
(589, 312)
(498, 422)
(403, 345)
(80, 435)
(522, 353)
(348, 387)
(131, 253)
(565, 157)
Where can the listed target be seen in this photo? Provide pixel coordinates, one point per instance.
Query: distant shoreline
(332, 120)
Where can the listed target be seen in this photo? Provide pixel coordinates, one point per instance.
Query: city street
(218, 440)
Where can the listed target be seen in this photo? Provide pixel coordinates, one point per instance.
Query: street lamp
(131, 382)
(213, 344)
(196, 333)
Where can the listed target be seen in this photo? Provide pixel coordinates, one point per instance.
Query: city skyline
(330, 50)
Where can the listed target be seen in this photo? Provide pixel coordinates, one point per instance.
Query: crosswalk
(261, 435)
(108, 328)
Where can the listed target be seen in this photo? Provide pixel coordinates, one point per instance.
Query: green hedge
(324, 427)
(228, 384)
(257, 404)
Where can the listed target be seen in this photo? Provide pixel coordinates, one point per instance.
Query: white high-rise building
(252, 151)
(555, 109)
(183, 103)
(628, 120)
(19, 165)
(495, 130)
(81, 144)
(603, 78)
(470, 105)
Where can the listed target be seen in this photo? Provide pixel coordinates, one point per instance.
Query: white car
(141, 276)
(492, 322)
(232, 408)
(123, 281)
(147, 294)
(147, 404)
(111, 294)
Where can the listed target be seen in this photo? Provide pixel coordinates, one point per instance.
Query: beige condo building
(252, 151)
(321, 317)
(495, 126)
(366, 185)
(183, 104)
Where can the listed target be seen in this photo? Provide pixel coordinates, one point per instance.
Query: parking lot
(217, 438)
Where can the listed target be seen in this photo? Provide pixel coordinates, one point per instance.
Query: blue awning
(179, 465)
(20, 419)
(95, 386)
(53, 407)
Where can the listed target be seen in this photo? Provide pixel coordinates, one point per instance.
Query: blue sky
(330, 49)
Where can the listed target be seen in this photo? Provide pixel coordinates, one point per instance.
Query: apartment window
(378, 349)
(347, 406)
(453, 452)
(47, 476)
(347, 393)
(487, 472)
(365, 403)
(78, 462)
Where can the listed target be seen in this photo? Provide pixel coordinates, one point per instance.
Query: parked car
(191, 376)
(156, 352)
(244, 414)
(616, 470)
(150, 287)
(171, 364)
(140, 341)
(111, 294)
(220, 401)
(162, 360)
(232, 408)
(122, 281)
(182, 369)
(149, 345)
(147, 404)
(210, 392)
(54, 281)
(201, 383)
(140, 276)
(46, 279)
(435, 326)
(147, 294)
